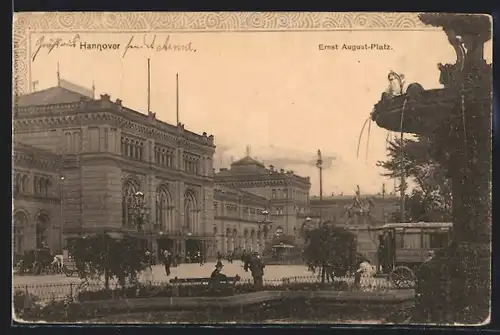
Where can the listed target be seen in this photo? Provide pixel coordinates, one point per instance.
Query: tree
(427, 168)
(330, 245)
(100, 255)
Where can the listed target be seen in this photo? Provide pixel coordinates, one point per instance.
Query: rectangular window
(399, 240)
(435, 240)
(411, 241)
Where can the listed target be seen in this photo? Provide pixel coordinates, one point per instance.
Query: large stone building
(240, 222)
(36, 196)
(286, 194)
(108, 155)
(80, 164)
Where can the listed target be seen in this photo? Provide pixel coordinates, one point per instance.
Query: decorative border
(26, 23)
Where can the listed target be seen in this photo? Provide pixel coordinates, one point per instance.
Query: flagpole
(58, 75)
(149, 86)
(177, 97)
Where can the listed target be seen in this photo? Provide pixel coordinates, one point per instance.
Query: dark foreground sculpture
(454, 287)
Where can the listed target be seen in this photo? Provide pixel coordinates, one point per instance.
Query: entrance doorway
(193, 247)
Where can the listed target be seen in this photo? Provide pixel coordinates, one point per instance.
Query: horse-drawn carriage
(36, 262)
(403, 247)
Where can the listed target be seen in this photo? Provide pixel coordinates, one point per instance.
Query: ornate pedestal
(454, 287)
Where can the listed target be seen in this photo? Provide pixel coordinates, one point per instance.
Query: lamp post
(61, 212)
(215, 239)
(319, 165)
(141, 213)
(264, 225)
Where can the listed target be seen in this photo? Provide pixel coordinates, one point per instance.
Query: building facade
(36, 199)
(239, 220)
(286, 193)
(108, 155)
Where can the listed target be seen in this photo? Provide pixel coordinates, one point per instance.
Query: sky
(275, 92)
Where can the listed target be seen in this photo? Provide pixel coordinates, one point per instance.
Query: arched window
(36, 185)
(42, 230)
(274, 194)
(76, 142)
(169, 158)
(18, 183)
(127, 147)
(163, 157)
(47, 186)
(72, 143)
(190, 212)
(20, 224)
(67, 137)
(41, 184)
(132, 149)
(164, 208)
(124, 147)
(24, 184)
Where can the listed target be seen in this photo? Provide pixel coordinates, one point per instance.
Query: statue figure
(396, 82)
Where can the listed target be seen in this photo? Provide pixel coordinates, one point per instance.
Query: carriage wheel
(402, 277)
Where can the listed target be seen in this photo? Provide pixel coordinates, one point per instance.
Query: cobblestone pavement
(48, 287)
(182, 271)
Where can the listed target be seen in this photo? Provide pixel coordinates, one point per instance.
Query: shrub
(23, 300)
(101, 255)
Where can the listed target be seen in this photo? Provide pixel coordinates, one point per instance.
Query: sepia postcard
(251, 168)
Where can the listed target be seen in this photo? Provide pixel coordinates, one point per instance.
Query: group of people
(252, 261)
(39, 261)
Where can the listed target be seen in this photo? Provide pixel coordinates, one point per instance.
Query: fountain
(454, 287)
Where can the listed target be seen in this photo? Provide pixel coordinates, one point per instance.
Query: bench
(221, 285)
(204, 280)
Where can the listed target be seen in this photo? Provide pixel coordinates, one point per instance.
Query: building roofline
(105, 102)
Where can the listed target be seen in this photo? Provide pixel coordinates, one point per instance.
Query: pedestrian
(216, 277)
(200, 258)
(257, 269)
(329, 271)
(148, 267)
(167, 261)
(381, 255)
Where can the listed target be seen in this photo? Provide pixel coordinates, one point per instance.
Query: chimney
(271, 167)
(282, 170)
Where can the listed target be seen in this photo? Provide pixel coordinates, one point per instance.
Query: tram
(403, 247)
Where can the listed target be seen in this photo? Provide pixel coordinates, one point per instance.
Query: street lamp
(61, 213)
(140, 211)
(265, 223)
